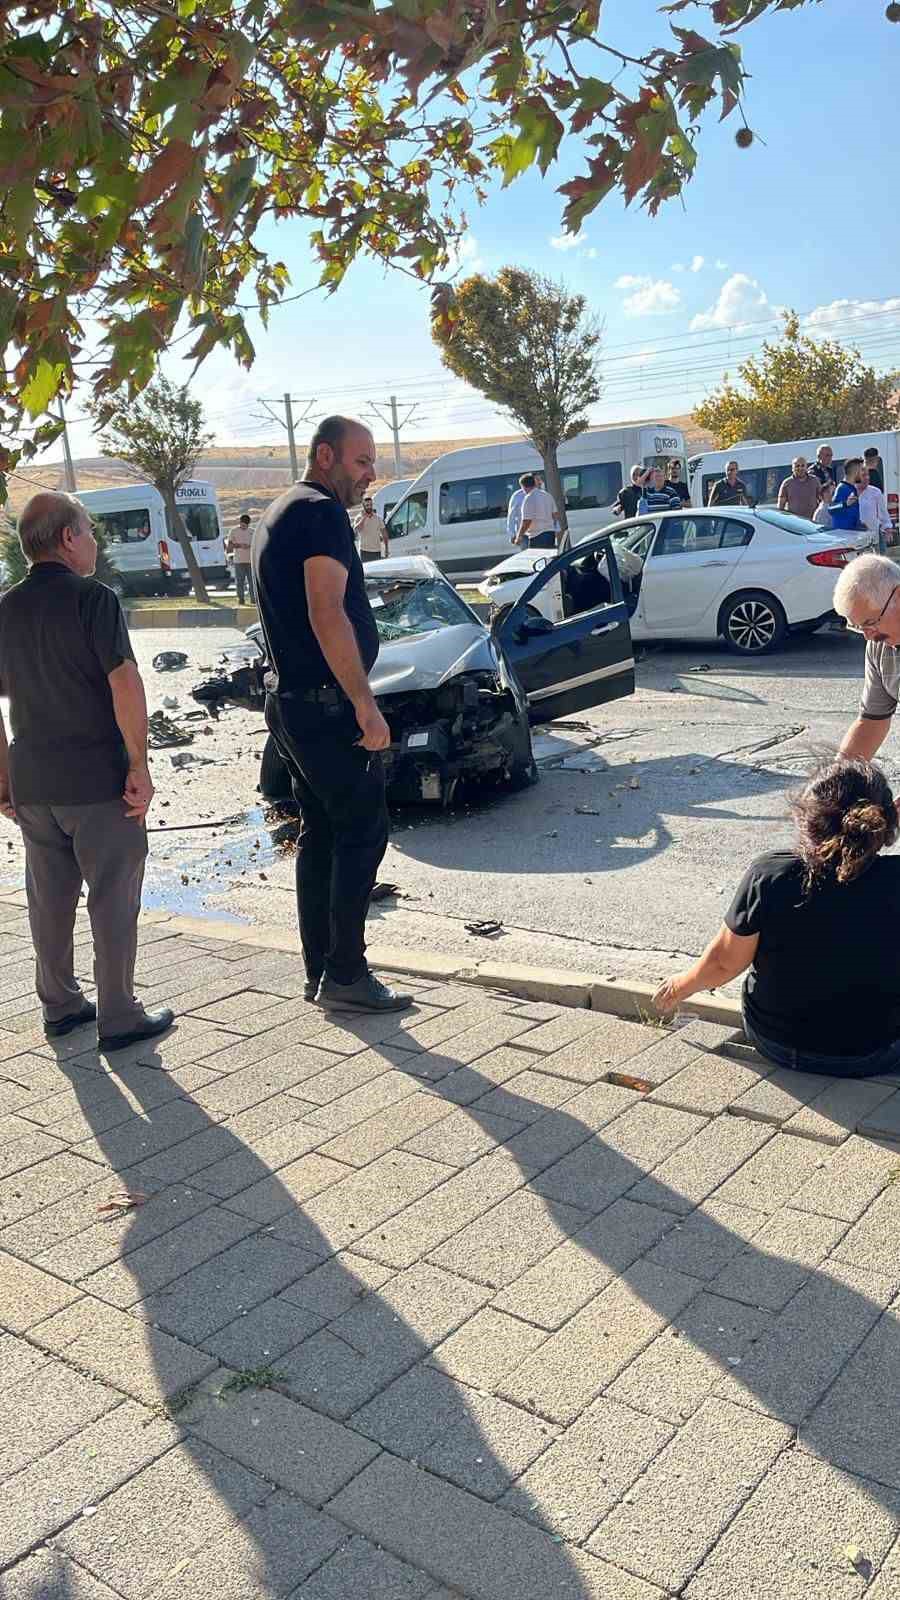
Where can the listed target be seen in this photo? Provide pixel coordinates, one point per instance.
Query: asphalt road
(621, 860)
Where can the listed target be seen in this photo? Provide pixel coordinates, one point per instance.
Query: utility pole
(394, 423)
(287, 421)
(71, 485)
(292, 447)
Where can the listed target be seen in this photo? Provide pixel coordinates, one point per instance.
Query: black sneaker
(155, 1022)
(366, 994)
(311, 988)
(58, 1030)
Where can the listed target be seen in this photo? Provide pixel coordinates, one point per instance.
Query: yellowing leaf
(41, 386)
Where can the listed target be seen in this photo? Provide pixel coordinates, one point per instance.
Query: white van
(455, 511)
(389, 495)
(141, 545)
(764, 467)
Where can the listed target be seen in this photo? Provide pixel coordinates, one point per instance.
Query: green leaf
(20, 208)
(186, 8)
(41, 386)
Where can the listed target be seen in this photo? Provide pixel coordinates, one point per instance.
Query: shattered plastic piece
(486, 929)
(170, 701)
(624, 1080)
(124, 1201)
(634, 783)
(170, 660)
(162, 731)
(858, 1560)
(385, 891)
(186, 758)
(587, 811)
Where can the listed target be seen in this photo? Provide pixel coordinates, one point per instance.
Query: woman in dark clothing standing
(816, 927)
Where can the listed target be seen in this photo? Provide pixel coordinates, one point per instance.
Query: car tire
(274, 777)
(753, 623)
(523, 776)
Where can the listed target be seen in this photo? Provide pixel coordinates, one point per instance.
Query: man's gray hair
(871, 578)
(43, 520)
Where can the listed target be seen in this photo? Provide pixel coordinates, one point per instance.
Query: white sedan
(750, 577)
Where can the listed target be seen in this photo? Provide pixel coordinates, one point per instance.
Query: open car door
(583, 656)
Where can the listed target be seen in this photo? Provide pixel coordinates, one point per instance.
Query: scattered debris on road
(124, 1201)
(487, 929)
(163, 732)
(186, 758)
(170, 661)
(386, 891)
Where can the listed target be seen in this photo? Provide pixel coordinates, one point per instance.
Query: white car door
(692, 561)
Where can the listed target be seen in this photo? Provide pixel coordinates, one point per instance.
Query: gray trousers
(243, 581)
(65, 847)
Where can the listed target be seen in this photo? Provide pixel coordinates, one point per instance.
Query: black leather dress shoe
(57, 1030)
(154, 1022)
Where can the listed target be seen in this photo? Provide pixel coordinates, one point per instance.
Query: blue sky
(805, 218)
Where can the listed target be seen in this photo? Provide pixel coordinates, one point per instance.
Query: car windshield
(406, 607)
(798, 526)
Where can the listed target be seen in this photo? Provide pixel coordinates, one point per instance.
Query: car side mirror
(531, 627)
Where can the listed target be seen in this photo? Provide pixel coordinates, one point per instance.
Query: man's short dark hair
(332, 431)
(872, 453)
(854, 461)
(244, 518)
(527, 480)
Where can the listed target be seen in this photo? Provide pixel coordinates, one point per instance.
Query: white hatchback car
(749, 577)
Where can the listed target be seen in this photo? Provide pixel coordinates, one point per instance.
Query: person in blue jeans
(813, 928)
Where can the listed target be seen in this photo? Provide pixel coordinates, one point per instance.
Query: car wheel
(753, 623)
(274, 778)
(523, 775)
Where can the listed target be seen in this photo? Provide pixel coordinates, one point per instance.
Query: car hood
(521, 564)
(430, 659)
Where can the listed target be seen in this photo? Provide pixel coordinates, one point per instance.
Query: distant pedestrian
(628, 498)
(822, 513)
(799, 494)
(656, 494)
(844, 506)
(730, 490)
(539, 517)
(874, 467)
(239, 548)
(675, 481)
(514, 509)
(322, 640)
(371, 532)
(75, 776)
(823, 467)
(873, 511)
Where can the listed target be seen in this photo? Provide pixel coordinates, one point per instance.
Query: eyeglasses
(869, 627)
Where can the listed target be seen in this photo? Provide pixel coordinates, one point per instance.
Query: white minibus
(764, 467)
(455, 511)
(389, 495)
(141, 545)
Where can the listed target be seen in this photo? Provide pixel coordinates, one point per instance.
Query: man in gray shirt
(74, 775)
(867, 593)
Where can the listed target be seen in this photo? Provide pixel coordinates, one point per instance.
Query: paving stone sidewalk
(431, 1306)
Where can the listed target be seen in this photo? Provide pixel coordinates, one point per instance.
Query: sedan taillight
(831, 558)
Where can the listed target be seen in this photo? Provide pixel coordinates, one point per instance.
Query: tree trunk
(176, 524)
(554, 487)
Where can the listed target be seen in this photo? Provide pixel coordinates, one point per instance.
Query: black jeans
(887, 1059)
(339, 788)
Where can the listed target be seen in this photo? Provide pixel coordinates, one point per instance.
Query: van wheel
(753, 623)
(274, 778)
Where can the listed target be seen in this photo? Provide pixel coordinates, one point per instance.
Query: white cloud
(589, 255)
(677, 266)
(698, 263)
(741, 301)
(466, 256)
(568, 241)
(649, 297)
(850, 311)
(721, 266)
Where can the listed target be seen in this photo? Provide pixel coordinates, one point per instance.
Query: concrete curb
(192, 617)
(555, 985)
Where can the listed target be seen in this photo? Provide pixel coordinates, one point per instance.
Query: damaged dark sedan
(459, 698)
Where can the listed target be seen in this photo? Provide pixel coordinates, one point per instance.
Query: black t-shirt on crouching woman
(826, 975)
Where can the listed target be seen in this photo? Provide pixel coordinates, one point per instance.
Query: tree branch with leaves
(159, 435)
(531, 348)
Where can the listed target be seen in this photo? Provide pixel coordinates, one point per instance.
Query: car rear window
(788, 524)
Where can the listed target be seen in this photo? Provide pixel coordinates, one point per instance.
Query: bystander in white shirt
(514, 514)
(874, 514)
(539, 512)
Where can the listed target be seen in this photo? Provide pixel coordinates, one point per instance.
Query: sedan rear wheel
(753, 623)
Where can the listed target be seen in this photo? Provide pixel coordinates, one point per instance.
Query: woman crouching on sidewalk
(817, 926)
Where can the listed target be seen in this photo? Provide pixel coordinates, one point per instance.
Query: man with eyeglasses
(867, 593)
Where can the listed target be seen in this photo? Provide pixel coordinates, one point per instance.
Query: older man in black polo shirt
(323, 642)
(75, 776)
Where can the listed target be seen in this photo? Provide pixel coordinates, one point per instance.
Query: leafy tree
(800, 387)
(144, 142)
(530, 348)
(159, 436)
(15, 567)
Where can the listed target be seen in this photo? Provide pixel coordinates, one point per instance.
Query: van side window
(124, 527)
(410, 516)
(592, 487)
(476, 499)
(201, 522)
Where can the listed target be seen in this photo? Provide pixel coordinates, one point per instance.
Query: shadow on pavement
(482, 1446)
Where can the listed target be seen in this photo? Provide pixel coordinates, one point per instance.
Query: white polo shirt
(539, 509)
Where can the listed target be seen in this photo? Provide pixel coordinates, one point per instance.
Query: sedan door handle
(713, 564)
(605, 627)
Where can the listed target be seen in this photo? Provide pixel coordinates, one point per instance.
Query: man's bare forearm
(130, 711)
(337, 642)
(864, 738)
(4, 754)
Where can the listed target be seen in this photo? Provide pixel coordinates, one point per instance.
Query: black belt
(324, 694)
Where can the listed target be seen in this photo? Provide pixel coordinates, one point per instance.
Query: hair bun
(866, 819)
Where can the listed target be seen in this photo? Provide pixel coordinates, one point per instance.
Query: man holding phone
(323, 642)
